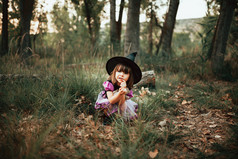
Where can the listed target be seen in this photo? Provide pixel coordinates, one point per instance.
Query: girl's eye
(123, 72)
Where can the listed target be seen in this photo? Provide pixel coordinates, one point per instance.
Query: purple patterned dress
(103, 103)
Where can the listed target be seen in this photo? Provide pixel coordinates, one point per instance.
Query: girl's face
(121, 76)
(122, 73)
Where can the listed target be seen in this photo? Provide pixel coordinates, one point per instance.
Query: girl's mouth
(120, 78)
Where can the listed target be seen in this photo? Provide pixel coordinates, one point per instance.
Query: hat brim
(111, 64)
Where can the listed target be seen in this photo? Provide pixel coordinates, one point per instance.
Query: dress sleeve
(108, 86)
(130, 94)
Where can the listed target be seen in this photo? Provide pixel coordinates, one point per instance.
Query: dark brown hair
(125, 69)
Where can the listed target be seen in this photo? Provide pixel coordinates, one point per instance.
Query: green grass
(51, 102)
(38, 116)
(208, 95)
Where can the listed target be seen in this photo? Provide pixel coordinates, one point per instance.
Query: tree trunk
(167, 31)
(147, 79)
(221, 37)
(132, 35)
(88, 17)
(4, 27)
(26, 9)
(119, 22)
(150, 38)
(115, 26)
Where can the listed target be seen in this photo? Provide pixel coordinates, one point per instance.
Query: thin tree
(4, 27)
(26, 10)
(167, 31)
(150, 35)
(150, 7)
(91, 10)
(41, 16)
(132, 35)
(115, 25)
(88, 12)
(219, 43)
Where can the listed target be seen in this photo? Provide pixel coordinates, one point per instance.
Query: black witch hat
(128, 61)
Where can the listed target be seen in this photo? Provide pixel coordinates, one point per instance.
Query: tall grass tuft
(84, 90)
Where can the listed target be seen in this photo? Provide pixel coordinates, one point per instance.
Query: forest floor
(200, 128)
(188, 130)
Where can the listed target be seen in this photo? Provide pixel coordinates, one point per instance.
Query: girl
(115, 98)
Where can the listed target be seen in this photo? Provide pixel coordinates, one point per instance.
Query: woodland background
(49, 81)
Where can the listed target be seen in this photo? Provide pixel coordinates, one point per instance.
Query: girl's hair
(125, 69)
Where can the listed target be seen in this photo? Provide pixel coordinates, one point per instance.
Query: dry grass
(54, 117)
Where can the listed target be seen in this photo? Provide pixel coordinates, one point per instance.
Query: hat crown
(132, 56)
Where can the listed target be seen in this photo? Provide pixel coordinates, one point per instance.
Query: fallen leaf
(206, 132)
(217, 136)
(153, 154)
(189, 102)
(81, 116)
(231, 114)
(163, 123)
(167, 92)
(218, 131)
(83, 97)
(213, 126)
(211, 140)
(89, 118)
(184, 102)
(108, 129)
(209, 151)
(118, 150)
(226, 97)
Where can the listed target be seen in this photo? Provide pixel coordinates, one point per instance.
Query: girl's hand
(123, 84)
(122, 90)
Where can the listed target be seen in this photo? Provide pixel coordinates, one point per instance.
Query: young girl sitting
(117, 93)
